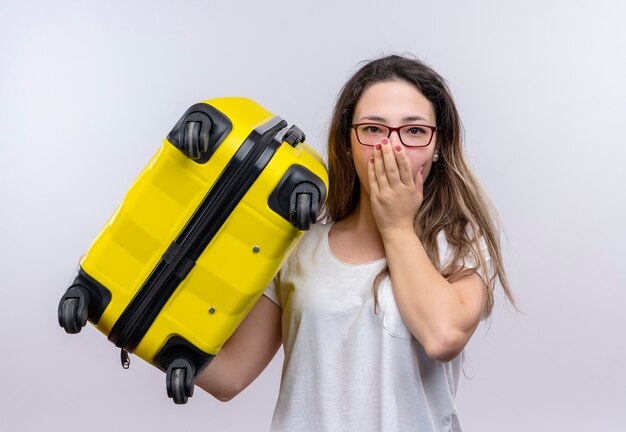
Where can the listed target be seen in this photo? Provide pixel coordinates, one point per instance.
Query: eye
(416, 130)
(371, 129)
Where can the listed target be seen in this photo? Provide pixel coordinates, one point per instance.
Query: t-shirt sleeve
(484, 273)
(446, 254)
(272, 293)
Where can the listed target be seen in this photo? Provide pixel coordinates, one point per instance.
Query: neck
(356, 238)
(361, 219)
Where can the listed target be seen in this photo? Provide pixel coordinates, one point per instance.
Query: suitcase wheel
(193, 147)
(303, 205)
(73, 310)
(179, 380)
(178, 386)
(303, 211)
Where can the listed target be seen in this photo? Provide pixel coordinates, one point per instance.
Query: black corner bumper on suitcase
(200, 131)
(86, 299)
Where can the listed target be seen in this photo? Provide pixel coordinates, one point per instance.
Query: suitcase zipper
(230, 187)
(125, 359)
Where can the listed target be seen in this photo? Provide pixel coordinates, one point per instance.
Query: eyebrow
(383, 120)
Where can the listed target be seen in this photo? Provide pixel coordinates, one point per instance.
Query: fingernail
(377, 146)
(398, 148)
(371, 160)
(385, 141)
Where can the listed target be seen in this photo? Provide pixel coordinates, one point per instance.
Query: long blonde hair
(454, 201)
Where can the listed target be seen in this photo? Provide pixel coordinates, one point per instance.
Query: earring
(435, 157)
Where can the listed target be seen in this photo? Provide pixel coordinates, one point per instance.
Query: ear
(437, 149)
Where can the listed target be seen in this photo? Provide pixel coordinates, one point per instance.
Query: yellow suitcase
(199, 235)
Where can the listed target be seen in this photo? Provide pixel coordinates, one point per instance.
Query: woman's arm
(246, 353)
(441, 315)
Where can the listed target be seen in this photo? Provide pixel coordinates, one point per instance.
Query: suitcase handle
(294, 136)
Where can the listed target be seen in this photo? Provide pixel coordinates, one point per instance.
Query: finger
(379, 168)
(390, 163)
(371, 176)
(419, 181)
(404, 167)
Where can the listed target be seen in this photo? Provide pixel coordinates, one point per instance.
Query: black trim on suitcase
(177, 346)
(230, 187)
(209, 127)
(97, 298)
(297, 179)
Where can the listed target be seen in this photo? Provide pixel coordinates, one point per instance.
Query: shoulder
(314, 236)
(471, 256)
(318, 229)
(477, 245)
(308, 248)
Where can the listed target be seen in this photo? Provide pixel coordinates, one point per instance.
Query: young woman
(375, 306)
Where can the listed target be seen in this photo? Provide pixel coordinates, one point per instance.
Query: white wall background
(89, 89)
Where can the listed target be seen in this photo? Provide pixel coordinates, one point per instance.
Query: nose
(394, 137)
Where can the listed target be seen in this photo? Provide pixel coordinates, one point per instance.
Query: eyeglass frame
(433, 129)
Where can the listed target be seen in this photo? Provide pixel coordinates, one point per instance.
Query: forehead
(393, 102)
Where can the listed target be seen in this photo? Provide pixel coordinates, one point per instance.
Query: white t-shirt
(347, 368)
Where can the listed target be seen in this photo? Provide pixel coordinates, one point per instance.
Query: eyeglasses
(413, 135)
